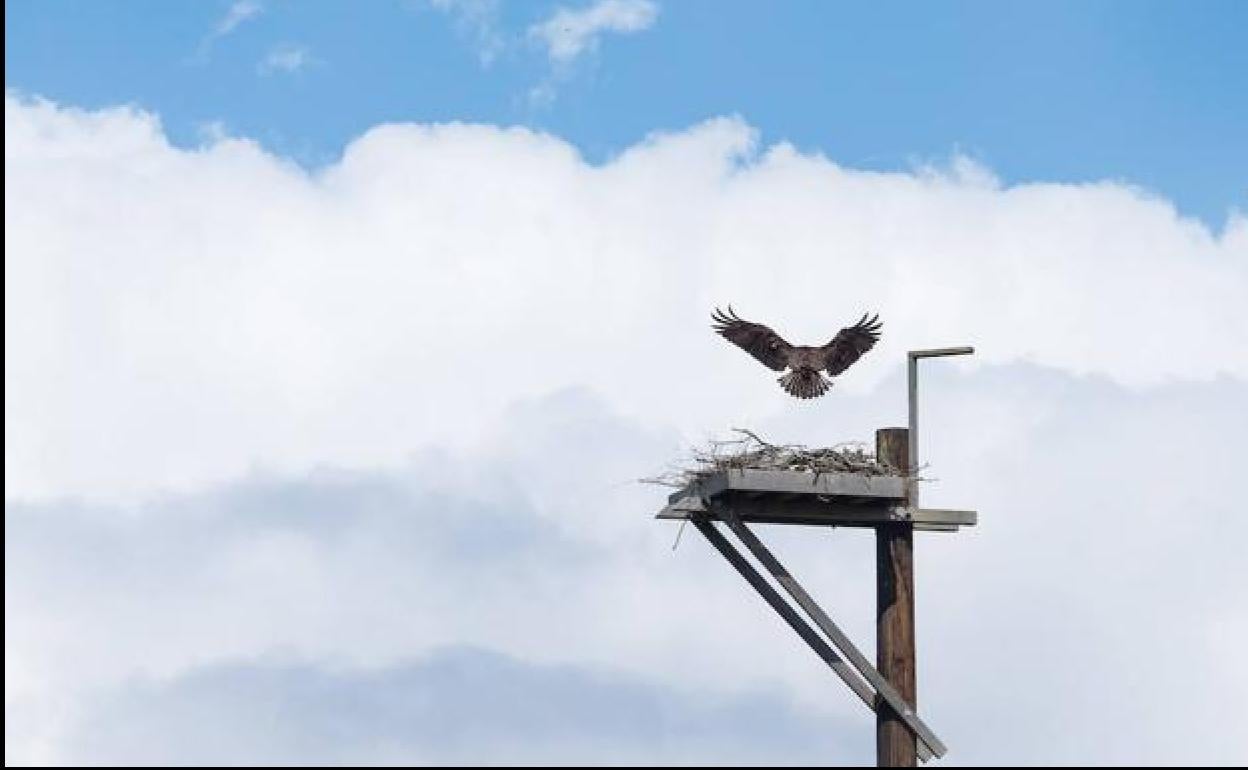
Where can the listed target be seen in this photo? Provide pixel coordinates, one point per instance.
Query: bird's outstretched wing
(850, 343)
(755, 339)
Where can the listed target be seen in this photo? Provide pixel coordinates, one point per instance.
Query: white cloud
(479, 21)
(456, 707)
(438, 273)
(286, 57)
(1034, 640)
(353, 417)
(569, 33)
(564, 36)
(543, 94)
(239, 12)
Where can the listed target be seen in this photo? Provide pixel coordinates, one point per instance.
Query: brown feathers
(805, 363)
(755, 339)
(850, 343)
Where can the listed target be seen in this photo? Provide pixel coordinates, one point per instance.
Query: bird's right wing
(850, 343)
(755, 339)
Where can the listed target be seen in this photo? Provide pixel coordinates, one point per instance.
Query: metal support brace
(782, 608)
(928, 743)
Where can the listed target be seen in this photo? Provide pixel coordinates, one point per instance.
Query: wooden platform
(796, 497)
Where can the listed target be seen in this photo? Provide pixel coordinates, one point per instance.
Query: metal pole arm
(912, 385)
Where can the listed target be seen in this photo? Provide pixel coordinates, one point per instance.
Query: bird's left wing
(850, 343)
(755, 339)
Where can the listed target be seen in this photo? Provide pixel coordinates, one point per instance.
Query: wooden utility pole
(887, 502)
(894, 614)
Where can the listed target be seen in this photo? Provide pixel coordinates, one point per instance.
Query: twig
(753, 452)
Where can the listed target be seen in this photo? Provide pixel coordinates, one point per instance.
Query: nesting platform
(800, 497)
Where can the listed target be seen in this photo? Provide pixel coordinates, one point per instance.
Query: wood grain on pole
(894, 580)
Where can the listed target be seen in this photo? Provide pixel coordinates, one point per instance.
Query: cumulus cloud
(217, 309)
(569, 32)
(276, 594)
(277, 432)
(459, 706)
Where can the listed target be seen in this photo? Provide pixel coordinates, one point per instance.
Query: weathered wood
(776, 509)
(919, 527)
(804, 483)
(949, 516)
(831, 630)
(895, 647)
(811, 510)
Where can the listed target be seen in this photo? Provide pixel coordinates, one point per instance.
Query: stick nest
(753, 453)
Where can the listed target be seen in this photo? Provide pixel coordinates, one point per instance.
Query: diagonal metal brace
(785, 611)
(825, 624)
(928, 743)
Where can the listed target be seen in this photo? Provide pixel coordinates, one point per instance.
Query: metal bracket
(912, 387)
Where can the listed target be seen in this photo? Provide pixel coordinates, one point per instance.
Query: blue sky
(1151, 93)
(329, 381)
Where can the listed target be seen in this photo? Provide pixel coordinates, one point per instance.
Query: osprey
(804, 379)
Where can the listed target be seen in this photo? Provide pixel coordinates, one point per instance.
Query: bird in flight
(805, 364)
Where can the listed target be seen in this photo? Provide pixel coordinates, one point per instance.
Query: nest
(751, 452)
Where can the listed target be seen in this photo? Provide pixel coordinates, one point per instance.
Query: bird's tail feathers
(805, 383)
